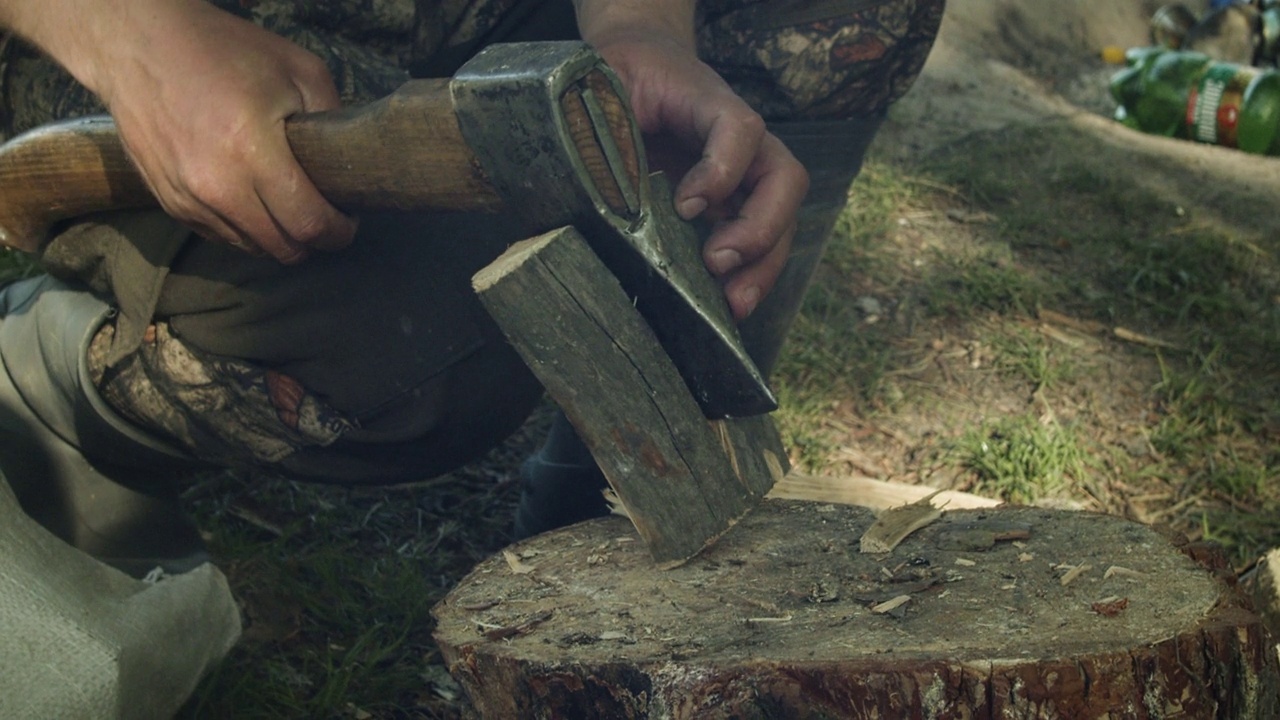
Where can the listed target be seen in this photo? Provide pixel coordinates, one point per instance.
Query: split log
(871, 493)
(1074, 615)
(683, 480)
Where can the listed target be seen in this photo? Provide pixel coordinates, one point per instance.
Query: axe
(542, 130)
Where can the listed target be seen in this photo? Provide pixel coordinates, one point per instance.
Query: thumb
(315, 85)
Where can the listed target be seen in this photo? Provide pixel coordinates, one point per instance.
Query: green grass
(988, 280)
(834, 349)
(1024, 460)
(1030, 357)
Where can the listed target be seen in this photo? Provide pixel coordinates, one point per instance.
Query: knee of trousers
(46, 326)
(466, 410)
(834, 60)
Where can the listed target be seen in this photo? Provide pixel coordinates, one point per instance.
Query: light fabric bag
(79, 639)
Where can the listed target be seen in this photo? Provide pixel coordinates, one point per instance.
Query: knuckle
(751, 123)
(311, 227)
(206, 188)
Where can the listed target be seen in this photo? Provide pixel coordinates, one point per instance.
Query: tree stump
(994, 613)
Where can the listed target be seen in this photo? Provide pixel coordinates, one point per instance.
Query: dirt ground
(999, 68)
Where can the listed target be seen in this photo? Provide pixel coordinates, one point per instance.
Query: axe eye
(601, 128)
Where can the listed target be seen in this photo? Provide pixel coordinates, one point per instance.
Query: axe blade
(551, 127)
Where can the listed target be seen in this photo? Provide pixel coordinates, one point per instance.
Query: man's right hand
(200, 98)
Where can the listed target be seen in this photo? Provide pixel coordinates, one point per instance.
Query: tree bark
(1009, 613)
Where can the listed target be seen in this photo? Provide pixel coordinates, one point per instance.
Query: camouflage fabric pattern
(818, 59)
(221, 410)
(790, 59)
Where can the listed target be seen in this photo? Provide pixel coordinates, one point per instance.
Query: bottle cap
(1113, 55)
(1170, 25)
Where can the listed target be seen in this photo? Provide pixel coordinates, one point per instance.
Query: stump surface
(784, 617)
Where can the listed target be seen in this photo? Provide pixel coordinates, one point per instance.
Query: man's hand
(731, 170)
(200, 98)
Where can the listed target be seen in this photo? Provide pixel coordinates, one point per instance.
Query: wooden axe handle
(403, 152)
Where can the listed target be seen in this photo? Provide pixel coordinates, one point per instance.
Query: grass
(1024, 460)
(337, 585)
(1029, 356)
(963, 370)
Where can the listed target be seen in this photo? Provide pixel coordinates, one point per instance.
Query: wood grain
(403, 152)
(683, 480)
(783, 618)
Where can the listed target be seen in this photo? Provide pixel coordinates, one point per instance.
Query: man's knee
(380, 350)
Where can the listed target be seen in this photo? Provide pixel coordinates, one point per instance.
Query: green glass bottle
(1189, 95)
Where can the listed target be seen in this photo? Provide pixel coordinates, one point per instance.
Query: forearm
(601, 21)
(93, 38)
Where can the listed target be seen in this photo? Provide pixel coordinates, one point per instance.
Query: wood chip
(784, 619)
(1117, 571)
(615, 503)
(1092, 327)
(1140, 339)
(255, 515)
(894, 525)
(965, 562)
(891, 605)
(517, 566)
(1074, 573)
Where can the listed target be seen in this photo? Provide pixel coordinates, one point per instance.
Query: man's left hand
(732, 171)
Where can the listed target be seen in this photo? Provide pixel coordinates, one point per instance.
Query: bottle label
(1213, 106)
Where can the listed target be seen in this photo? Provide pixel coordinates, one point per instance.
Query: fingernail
(750, 297)
(692, 207)
(725, 261)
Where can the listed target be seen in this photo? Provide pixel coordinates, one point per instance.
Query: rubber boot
(84, 473)
(561, 484)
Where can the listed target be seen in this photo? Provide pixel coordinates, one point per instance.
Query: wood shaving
(1074, 573)
(1117, 571)
(891, 605)
(783, 619)
(1110, 607)
(894, 525)
(615, 503)
(517, 566)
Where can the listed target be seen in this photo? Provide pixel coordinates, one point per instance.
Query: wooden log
(1086, 616)
(683, 480)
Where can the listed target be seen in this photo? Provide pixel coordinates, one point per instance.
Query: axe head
(552, 129)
